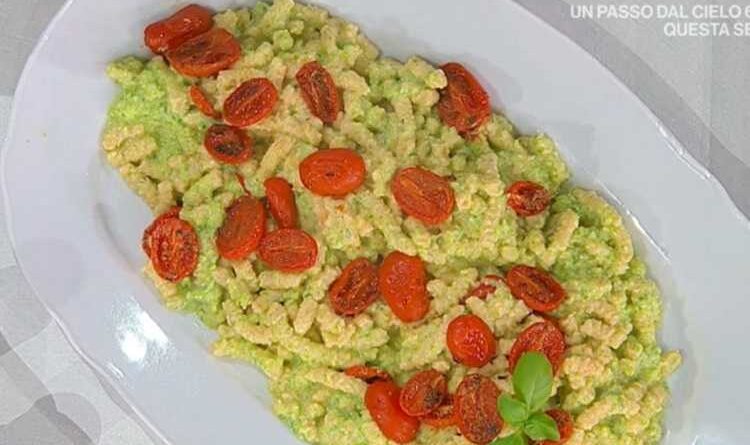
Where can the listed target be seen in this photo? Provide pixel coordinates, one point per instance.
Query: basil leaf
(511, 410)
(541, 427)
(514, 439)
(532, 380)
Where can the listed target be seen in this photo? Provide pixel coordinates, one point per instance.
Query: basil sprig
(532, 384)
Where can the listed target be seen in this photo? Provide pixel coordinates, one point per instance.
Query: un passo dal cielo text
(701, 20)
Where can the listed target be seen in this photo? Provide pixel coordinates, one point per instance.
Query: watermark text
(700, 20)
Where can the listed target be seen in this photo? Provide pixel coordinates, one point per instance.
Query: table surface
(695, 85)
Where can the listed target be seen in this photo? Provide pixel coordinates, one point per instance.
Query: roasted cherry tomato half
(464, 104)
(288, 250)
(544, 337)
(251, 102)
(423, 393)
(206, 54)
(319, 92)
(535, 287)
(172, 245)
(173, 212)
(423, 195)
(281, 202)
(334, 172)
(171, 32)
(527, 198)
(471, 341)
(228, 145)
(243, 227)
(382, 402)
(201, 102)
(402, 281)
(355, 289)
(476, 409)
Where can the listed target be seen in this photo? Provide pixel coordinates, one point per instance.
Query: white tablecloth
(48, 395)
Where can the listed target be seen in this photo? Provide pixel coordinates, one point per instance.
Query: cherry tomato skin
(544, 337)
(444, 416)
(486, 287)
(228, 145)
(366, 373)
(171, 32)
(476, 409)
(564, 427)
(173, 247)
(464, 104)
(241, 180)
(423, 393)
(402, 281)
(206, 54)
(288, 250)
(423, 195)
(251, 102)
(319, 92)
(201, 102)
(471, 341)
(243, 228)
(535, 287)
(333, 172)
(146, 240)
(527, 198)
(355, 289)
(281, 202)
(382, 402)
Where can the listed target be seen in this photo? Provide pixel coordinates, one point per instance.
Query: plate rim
(147, 425)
